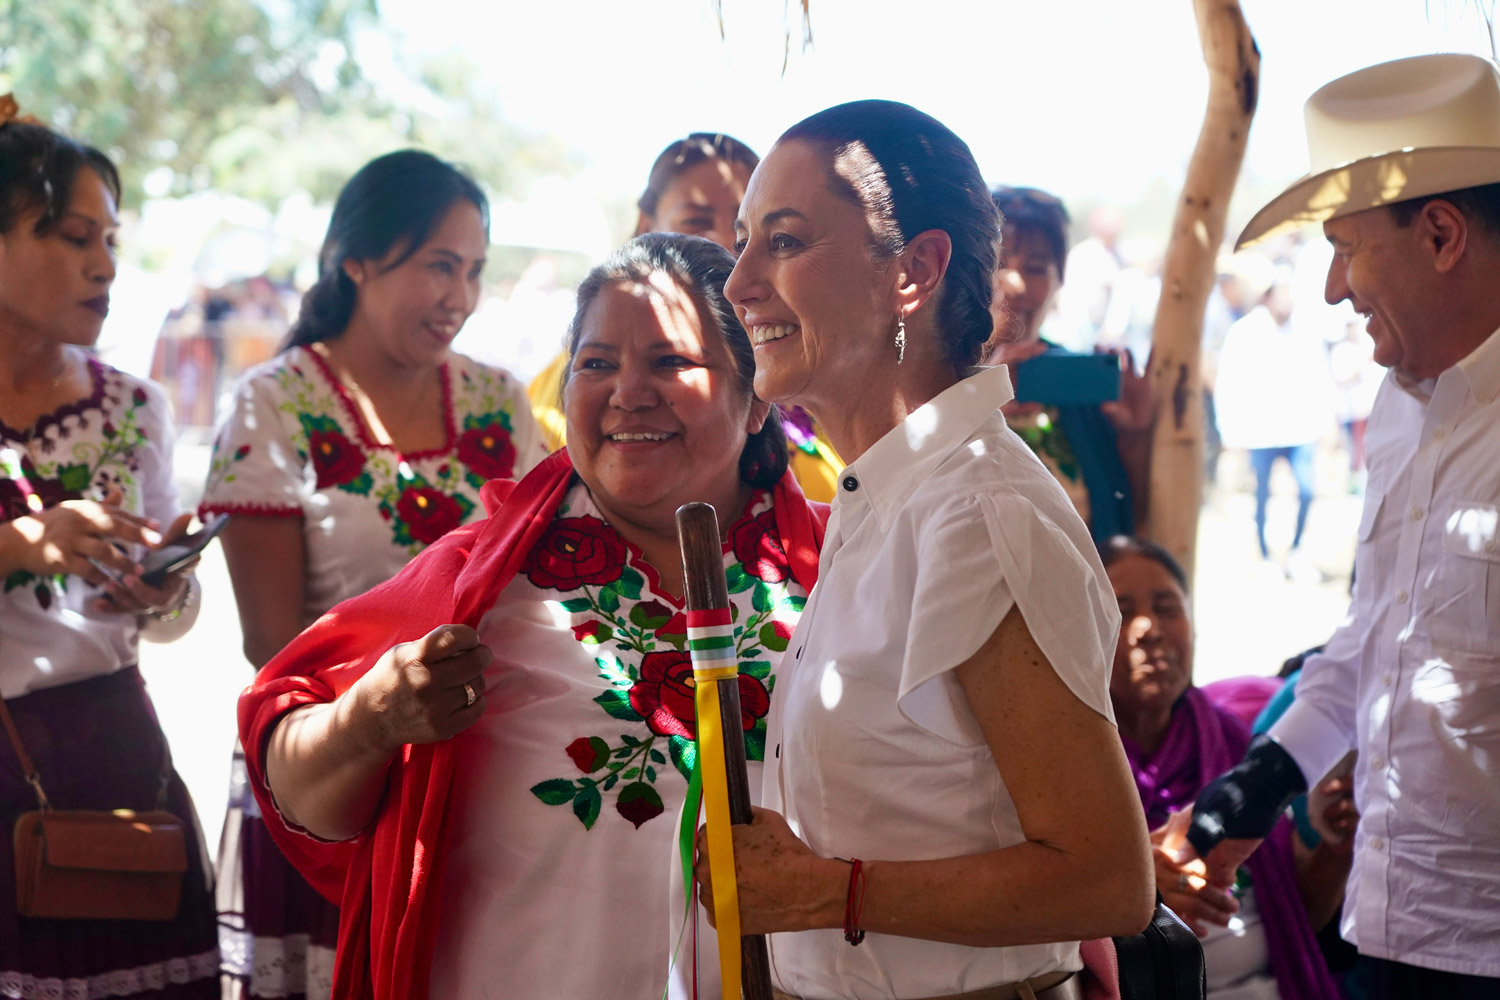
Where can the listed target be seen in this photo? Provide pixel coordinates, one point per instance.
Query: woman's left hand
(783, 885)
(1132, 412)
(129, 596)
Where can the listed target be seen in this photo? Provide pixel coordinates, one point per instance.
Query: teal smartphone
(1069, 379)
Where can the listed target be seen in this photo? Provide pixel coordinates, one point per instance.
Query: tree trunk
(1188, 276)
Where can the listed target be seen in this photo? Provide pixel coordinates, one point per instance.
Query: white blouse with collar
(938, 530)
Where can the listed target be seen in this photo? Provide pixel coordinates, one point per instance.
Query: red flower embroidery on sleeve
(335, 458)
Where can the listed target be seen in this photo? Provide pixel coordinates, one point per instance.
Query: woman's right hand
(71, 537)
(416, 692)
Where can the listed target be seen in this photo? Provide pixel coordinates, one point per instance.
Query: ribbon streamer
(711, 646)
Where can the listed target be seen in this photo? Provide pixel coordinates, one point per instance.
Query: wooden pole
(1188, 277)
(704, 589)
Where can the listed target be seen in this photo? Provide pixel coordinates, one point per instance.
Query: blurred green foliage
(260, 99)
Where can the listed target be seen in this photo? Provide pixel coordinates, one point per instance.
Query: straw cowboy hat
(1399, 130)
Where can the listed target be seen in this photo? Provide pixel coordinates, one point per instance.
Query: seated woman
(483, 758)
(946, 724)
(1099, 453)
(695, 187)
(86, 490)
(1259, 941)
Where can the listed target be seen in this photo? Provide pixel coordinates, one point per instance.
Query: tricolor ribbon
(711, 645)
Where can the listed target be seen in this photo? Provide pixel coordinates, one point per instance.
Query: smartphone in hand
(1069, 379)
(161, 563)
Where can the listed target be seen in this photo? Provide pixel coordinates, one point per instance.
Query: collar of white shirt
(1481, 369)
(888, 473)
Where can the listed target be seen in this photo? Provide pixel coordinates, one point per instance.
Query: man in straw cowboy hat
(1406, 181)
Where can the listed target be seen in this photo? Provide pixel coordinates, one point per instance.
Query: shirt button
(1401, 597)
(1439, 434)
(1416, 513)
(1376, 843)
(1376, 763)
(851, 484)
(1386, 680)
(1491, 545)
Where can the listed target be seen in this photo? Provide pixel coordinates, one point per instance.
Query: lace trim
(278, 967)
(118, 983)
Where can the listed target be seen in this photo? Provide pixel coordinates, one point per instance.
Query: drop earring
(900, 338)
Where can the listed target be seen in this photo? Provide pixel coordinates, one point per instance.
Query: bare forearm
(326, 771)
(1321, 874)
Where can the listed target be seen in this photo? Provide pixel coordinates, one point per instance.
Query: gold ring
(469, 695)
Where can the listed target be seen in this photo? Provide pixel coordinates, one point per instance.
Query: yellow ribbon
(716, 814)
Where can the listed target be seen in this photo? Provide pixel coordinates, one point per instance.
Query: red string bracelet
(854, 903)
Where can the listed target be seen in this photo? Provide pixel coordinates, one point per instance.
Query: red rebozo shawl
(386, 879)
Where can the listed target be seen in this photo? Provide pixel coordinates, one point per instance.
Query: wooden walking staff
(744, 969)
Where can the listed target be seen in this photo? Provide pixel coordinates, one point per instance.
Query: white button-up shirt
(937, 531)
(1412, 677)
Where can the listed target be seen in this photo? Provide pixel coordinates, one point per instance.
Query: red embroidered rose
(335, 458)
(575, 551)
(139, 396)
(677, 626)
(638, 802)
(488, 451)
(593, 632)
(664, 695)
(590, 753)
(429, 514)
(757, 545)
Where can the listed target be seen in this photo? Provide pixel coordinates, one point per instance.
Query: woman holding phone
(365, 441)
(86, 494)
(1100, 453)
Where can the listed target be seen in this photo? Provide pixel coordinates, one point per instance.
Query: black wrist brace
(1246, 801)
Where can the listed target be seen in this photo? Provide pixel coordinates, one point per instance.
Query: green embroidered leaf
(554, 792)
(359, 485)
(629, 584)
(738, 580)
(755, 745)
(658, 756)
(617, 704)
(684, 752)
(759, 669)
(474, 479)
(611, 781)
(576, 604)
(629, 740)
(762, 600)
(734, 612)
(19, 578)
(623, 753)
(650, 773)
(792, 602)
(650, 615)
(586, 806)
(609, 599)
(631, 773)
(74, 477)
(773, 640)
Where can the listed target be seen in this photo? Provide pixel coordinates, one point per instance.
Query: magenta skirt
(97, 745)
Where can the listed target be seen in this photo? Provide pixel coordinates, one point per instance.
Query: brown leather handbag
(95, 864)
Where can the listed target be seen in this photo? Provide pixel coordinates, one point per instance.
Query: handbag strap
(34, 779)
(27, 767)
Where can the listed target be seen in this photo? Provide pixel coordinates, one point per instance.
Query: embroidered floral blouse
(574, 779)
(293, 444)
(120, 435)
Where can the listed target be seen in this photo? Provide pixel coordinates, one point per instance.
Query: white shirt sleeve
(1319, 726)
(1001, 552)
(256, 468)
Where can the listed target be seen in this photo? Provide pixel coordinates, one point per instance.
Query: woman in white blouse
(945, 716)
